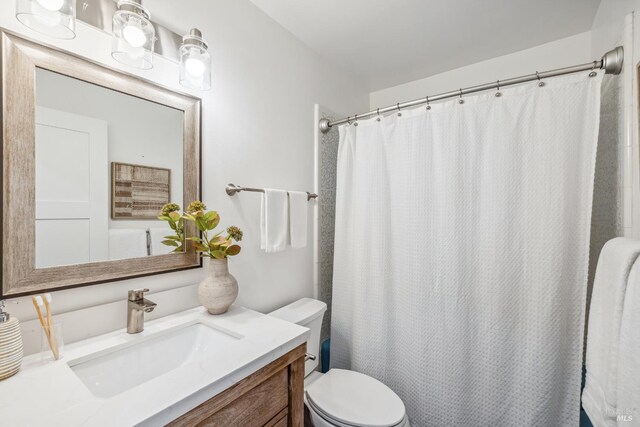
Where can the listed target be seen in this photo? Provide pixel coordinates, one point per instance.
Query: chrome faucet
(137, 305)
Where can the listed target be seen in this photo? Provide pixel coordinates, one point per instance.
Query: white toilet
(340, 398)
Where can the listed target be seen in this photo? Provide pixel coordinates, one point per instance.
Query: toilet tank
(306, 312)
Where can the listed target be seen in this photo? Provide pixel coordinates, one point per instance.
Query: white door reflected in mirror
(71, 189)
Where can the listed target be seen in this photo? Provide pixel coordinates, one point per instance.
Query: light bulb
(195, 67)
(52, 5)
(133, 34)
(195, 61)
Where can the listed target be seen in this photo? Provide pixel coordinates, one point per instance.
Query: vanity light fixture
(133, 35)
(195, 61)
(54, 18)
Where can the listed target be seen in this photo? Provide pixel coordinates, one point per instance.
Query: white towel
(628, 406)
(157, 235)
(125, 243)
(274, 220)
(298, 203)
(600, 395)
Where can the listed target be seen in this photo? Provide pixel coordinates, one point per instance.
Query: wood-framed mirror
(90, 155)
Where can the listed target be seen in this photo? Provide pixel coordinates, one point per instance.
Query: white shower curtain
(461, 254)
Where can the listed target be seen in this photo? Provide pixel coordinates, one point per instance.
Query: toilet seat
(350, 399)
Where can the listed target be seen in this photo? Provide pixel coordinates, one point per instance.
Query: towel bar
(233, 189)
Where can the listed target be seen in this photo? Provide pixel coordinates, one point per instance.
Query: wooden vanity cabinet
(270, 397)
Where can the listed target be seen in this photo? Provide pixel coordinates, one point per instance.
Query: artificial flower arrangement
(215, 246)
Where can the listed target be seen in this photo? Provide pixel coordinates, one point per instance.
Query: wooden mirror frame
(19, 60)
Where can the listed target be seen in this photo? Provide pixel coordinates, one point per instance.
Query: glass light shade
(195, 62)
(133, 37)
(55, 18)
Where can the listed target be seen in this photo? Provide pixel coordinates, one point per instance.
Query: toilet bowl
(340, 398)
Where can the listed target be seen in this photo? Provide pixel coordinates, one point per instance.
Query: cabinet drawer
(257, 407)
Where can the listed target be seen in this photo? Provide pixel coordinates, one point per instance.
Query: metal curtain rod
(611, 62)
(233, 189)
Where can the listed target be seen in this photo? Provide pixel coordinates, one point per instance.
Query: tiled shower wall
(326, 162)
(608, 207)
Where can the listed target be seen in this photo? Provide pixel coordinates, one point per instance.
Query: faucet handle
(137, 294)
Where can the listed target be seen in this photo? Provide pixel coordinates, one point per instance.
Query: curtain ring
(398, 107)
(540, 82)
(355, 123)
(348, 120)
(378, 113)
(461, 101)
(498, 93)
(593, 70)
(428, 106)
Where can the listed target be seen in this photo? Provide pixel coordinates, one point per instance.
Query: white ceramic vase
(219, 289)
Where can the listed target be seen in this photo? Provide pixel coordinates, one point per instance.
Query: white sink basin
(115, 370)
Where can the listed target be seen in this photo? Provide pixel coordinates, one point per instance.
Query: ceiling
(389, 42)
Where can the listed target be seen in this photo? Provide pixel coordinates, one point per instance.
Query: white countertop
(50, 393)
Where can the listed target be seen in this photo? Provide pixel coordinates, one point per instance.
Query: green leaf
(211, 220)
(170, 243)
(175, 216)
(211, 214)
(233, 250)
(173, 238)
(200, 224)
(218, 254)
(219, 240)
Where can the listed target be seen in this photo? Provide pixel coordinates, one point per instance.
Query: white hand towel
(127, 243)
(157, 235)
(599, 397)
(298, 215)
(628, 405)
(274, 220)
